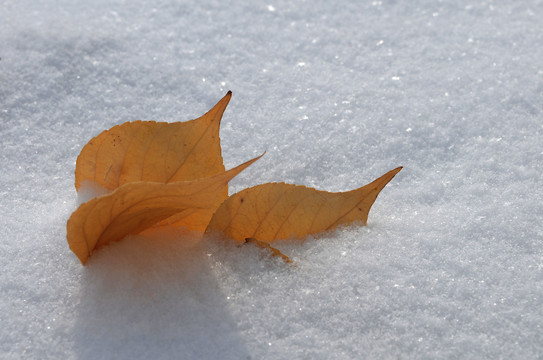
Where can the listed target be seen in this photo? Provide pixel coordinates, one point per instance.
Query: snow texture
(337, 93)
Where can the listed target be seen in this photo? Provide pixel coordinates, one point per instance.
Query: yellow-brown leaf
(274, 211)
(154, 151)
(136, 206)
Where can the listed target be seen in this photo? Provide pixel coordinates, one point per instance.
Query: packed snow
(336, 93)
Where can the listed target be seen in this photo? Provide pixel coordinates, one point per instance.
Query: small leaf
(154, 151)
(274, 211)
(136, 206)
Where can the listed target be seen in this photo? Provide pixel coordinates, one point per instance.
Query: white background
(451, 262)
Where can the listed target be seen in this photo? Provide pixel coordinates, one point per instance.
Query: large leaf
(274, 211)
(136, 206)
(154, 151)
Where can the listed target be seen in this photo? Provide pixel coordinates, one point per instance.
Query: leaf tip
(385, 179)
(226, 98)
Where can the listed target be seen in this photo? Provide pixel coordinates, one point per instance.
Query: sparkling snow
(451, 262)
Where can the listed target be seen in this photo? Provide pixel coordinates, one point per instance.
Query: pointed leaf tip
(220, 107)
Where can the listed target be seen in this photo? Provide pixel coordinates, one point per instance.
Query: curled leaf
(274, 211)
(136, 206)
(154, 151)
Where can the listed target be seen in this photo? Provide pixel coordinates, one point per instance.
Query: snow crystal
(451, 262)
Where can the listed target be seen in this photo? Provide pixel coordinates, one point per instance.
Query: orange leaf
(172, 174)
(154, 151)
(136, 206)
(274, 211)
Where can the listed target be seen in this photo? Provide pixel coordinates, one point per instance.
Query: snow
(451, 262)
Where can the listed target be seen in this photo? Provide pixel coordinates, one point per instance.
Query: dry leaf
(274, 211)
(154, 151)
(136, 206)
(172, 174)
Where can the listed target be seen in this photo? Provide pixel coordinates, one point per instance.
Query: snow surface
(451, 262)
